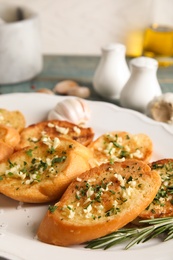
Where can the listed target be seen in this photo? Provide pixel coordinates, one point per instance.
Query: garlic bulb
(161, 108)
(73, 110)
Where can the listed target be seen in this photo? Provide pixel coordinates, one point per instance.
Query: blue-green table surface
(79, 68)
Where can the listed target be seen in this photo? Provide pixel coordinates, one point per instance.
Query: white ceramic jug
(142, 85)
(112, 72)
(20, 44)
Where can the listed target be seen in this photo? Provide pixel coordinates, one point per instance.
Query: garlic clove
(64, 86)
(82, 92)
(74, 110)
(161, 108)
(45, 90)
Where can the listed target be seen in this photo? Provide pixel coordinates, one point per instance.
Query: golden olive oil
(158, 43)
(134, 43)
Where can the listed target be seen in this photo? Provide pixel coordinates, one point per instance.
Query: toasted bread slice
(9, 138)
(99, 202)
(118, 146)
(9, 135)
(5, 150)
(42, 173)
(162, 205)
(53, 128)
(14, 119)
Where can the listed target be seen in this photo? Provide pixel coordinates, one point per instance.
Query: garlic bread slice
(99, 202)
(162, 205)
(14, 119)
(9, 135)
(54, 128)
(41, 173)
(118, 146)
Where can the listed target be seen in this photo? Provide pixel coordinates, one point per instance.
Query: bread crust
(118, 146)
(54, 128)
(41, 173)
(9, 135)
(110, 196)
(9, 138)
(5, 150)
(162, 205)
(14, 119)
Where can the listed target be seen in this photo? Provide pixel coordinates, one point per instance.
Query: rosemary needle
(154, 228)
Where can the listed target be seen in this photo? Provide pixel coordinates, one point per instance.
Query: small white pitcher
(142, 85)
(112, 72)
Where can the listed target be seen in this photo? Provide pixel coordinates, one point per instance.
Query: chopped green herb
(51, 150)
(29, 152)
(170, 189)
(129, 179)
(124, 154)
(10, 173)
(11, 165)
(58, 159)
(112, 211)
(117, 145)
(52, 208)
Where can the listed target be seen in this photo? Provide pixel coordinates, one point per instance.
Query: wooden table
(78, 68)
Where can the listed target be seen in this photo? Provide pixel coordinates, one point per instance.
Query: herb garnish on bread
(162, 205)
(54, 128)
(118, 146)
(41, 173)
(99, 202)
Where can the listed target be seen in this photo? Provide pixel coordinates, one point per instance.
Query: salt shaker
(112, 72)
(142, 85)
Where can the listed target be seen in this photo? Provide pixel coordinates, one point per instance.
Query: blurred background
(80, 27)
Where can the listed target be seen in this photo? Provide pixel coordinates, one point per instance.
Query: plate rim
(114, 107)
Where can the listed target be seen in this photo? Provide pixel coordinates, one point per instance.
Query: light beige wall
(83, 26)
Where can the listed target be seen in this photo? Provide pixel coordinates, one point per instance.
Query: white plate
(18, 223)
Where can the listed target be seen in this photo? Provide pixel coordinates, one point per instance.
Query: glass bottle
(158, 37)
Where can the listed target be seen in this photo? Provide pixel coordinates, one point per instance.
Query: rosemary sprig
(154, 228)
